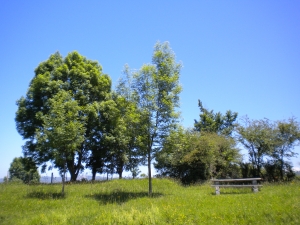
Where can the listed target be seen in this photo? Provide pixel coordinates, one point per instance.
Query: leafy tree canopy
(23, 169)
(215, 122)
(80, 83)
(266, 139)
(156, 90)
(191, 156)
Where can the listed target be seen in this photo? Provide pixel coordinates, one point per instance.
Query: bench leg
(217, 189)
(255, 187)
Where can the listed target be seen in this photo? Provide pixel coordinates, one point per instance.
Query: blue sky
(237, 55)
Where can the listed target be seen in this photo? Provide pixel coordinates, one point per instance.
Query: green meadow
(127, 202)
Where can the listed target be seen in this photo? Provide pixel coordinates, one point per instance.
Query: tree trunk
(281, 166)
(93, 174)
(149, 173)
(73, 167)
(73, 170)
(73, 176)
(120, 168)
(63, 185)
(63, 180)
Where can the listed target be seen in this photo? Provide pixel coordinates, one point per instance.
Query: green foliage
(191, 156)
(132, 118)
(156, 90)
(247, 169)
(63, 129)
(271, 141)
(126, 202)
(257, 137)
(215, 122)
(275, 171)
(62, 133)
(24, 170)
(207, 151)
(287, 136)
(81, 83)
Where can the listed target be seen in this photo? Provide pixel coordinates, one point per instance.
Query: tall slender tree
(156, 87)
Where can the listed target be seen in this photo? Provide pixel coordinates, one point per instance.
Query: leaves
(264, 138)
(191, 156)
(215, 122)
(24, 169)
(62, 107)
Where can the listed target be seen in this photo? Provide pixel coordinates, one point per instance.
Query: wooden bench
(247, 182)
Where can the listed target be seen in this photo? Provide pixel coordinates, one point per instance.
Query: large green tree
(114, 135)
(156, 88)
(84, 81)
(62, 133)
(24, 169)
(191, 156)
(271, 141)
(257, 136)
(287, 137)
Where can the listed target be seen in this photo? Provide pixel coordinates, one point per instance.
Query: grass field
(127, 202)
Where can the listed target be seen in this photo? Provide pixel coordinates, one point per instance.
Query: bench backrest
(232, 180)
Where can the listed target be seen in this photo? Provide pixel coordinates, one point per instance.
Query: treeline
(73, 119)
(210, 149)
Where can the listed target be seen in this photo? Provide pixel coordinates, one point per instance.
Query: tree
(192, 156)
(273, 140)
(257, 136)
(97, 141)
(215, 122)
(86, 85)
(114, 135)
(156, 87)
(168, 160)
(62, 133)
(287, 137)
(108, 143)
(131, 116)
(24, 169)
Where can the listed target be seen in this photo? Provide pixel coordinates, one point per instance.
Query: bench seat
(250, 182)
(238, 186)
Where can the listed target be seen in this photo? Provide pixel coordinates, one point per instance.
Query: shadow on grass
(120, 197)
(46, 195)
(2, 219)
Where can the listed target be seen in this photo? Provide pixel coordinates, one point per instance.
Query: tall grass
(127, 202)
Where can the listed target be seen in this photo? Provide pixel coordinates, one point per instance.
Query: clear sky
(237, 55)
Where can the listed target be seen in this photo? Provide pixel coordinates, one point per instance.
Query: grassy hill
(127, 202)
